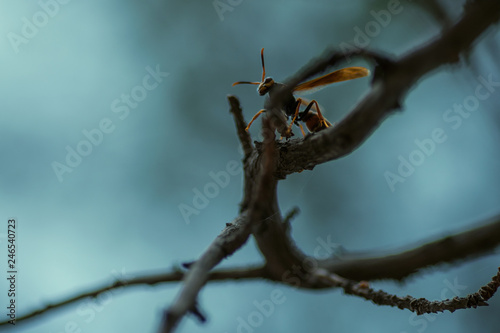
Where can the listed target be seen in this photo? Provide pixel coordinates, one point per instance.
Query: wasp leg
(304, 113)
(321, 118)
(253, 119)
(302, 130)
(299, 101)
(306, 102)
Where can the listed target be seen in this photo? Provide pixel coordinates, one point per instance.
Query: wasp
(311, 116)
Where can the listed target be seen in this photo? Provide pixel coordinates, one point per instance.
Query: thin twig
(232, 238)
(149, 279)
(243, 135)
(420, 305)
(468, 244)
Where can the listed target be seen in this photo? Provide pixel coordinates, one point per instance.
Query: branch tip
(243, 135)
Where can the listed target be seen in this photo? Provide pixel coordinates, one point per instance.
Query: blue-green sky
(152, 77)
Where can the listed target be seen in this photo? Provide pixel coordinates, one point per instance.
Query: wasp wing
(340, 75)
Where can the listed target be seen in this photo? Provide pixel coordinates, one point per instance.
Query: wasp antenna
(263, 67)
(245, 82)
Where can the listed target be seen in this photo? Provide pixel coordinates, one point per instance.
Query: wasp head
(265, 86)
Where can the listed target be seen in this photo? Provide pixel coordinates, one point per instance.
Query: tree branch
(173, 276)
(387, 92)
(353, 267)
(421, 305)
(370, 265)
(399, 265)
(244, 137)
(267, 163)
(232, 237)
(389, 88)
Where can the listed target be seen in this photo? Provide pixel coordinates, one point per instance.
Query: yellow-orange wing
(343, 74)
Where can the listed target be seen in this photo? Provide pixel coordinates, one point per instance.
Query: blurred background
(114, 115)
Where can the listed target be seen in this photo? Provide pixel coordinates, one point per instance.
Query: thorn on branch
(291, 214)
(288, 218)
(197, 313)
(384, 65)
(187, 264)
(490, 289)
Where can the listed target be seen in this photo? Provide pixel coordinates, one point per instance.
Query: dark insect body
(313, 119)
